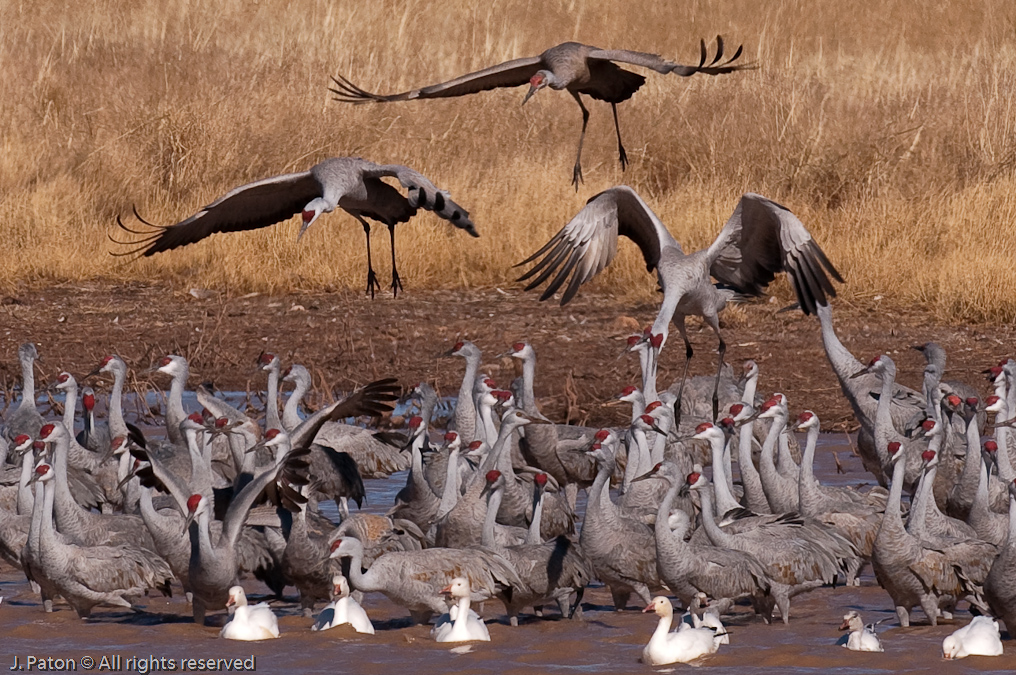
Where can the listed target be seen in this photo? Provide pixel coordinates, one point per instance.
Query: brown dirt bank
(346, 339)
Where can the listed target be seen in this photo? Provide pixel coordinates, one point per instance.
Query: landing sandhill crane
(350, 183)
(579, 68)
(760, 239)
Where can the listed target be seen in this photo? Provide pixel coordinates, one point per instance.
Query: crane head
(311, 212)
(537, 82)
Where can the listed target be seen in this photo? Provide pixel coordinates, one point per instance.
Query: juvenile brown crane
(350, 183)
(579, 68)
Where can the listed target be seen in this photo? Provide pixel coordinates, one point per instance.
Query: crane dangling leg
(577, 171)
(688, 352)
(396, 281)
(372, 281)
(620, 145)
(714, 323)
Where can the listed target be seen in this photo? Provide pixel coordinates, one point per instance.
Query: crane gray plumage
(350, 183)
(1000, 584)
(760, 239)
(25, 419)
(687, 568)
(86, 576)
(575, 67)
(414, 579)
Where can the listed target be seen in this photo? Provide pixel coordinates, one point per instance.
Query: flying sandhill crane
(350, 183)
(761, 238)
(579, 68)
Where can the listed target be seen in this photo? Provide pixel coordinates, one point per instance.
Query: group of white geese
(488, 511)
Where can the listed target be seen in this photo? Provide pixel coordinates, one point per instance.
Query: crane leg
(577, 171)
(396, 281)
(620, 146)
(372, 281)
(688, 352)
(716, 385)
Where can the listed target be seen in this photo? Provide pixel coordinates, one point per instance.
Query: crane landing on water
(761, 238)
(350, 183)
(579, 68)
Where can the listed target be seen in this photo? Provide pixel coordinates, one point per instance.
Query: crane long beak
(529, 94)
(859, 373)
(93, 373)
(303, 228)
(188, 520)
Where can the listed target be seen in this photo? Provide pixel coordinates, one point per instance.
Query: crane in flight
(578, 68)
(760, 239)
(350, 183)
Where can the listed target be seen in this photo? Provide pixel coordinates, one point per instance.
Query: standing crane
(579, 68)
(350, 183)
(761, 238)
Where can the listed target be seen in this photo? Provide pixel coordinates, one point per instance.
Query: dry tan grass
(887, 126)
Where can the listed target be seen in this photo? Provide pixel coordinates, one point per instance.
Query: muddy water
(602, 641)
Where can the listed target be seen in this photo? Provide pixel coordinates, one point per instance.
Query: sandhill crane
(1000, 584)
(579, 68)
(86, 576)
(760, 239)
(350, 183)
(414, 579)
(26, 418)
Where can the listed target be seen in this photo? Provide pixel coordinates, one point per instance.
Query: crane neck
(25, 499)
(528, 382)
(660, 440)
(272, 419)
(533, 535)
(638, 461)
(754, 497)
(807, 487)
(785, 461)
(715, 533)
(664, 535)
(201, 467)
(117, 425)
(27, 383)
(894, 503)
(38, 511)
(750, 386)
(450, 494)
(48, 534)
(972, 462)
(494, 497)
(724, 499)
(70, 404)
(175, 414)
(917, 520)
(359, 580)
(291, 411)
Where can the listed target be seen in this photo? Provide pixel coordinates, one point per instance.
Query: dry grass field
(888, 126)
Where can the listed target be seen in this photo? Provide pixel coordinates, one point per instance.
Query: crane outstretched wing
(588, 243)
(763, 238)
(248, 207)
(423, 194)
(508, 74)
(662, 65)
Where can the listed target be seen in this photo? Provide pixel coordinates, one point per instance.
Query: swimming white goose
(862, 638)
(687, 644)
(460, 624)
(343, 610)
(249, 623)
(977, 638)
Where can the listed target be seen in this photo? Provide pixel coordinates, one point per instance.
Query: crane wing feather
(763, 238)
(513, 73)
(424, 194)
(248, 207)
(662, 65)
(588, 243)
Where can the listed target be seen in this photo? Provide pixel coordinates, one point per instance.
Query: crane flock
(490, 510)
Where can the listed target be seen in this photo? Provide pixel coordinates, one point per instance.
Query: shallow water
(602, 641)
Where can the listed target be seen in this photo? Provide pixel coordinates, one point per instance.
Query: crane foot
(577, 176)
(372, 282)
(396, 284)
(623, 156)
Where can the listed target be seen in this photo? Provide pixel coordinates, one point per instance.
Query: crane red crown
(192, 503)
